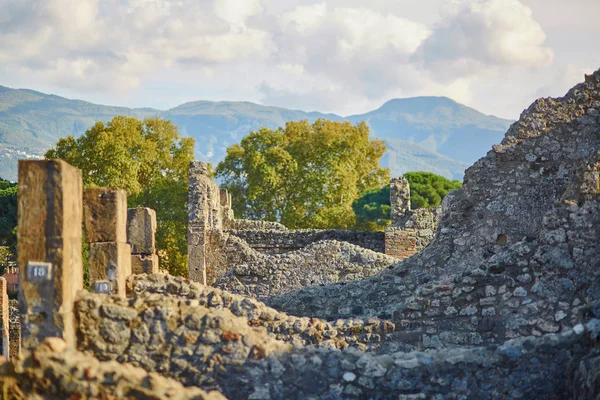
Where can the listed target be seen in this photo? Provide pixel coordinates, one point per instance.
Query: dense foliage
(303, 175)
(8, 223)
(427, 190)
(150, 161)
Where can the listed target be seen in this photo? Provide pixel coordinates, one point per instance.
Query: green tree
(372, 209)
(8, 224)
(427, 190)
(150, 161)
(303, 175)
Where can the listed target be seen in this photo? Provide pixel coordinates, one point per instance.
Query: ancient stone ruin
(263, 259)
(503, 303)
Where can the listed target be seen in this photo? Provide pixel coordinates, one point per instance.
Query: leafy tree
(150, 161)
(8, 224)
(303, 175)
(372, 209)
(427, 190)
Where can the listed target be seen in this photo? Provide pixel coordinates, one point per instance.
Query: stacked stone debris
(105, 212)
(141, 231)
(50, 214)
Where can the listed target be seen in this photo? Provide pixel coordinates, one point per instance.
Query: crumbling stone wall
(56, 371)
(551, 367)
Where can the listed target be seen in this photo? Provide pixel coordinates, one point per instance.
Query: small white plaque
(103, 287)
(38, 271)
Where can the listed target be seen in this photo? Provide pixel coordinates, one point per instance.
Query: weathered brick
(105, 215)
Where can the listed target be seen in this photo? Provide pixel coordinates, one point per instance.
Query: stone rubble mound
(320, 263)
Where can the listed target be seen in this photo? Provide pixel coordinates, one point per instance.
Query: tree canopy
(427, 190)
(8, 223)
(150, 161)
(303, 175)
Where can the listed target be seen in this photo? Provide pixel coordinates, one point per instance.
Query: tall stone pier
(399, 199)
(198, 220)
(4, 319)
(141, 232)
(209, 209)
(399, 241)
(105, 212)
(50, 212)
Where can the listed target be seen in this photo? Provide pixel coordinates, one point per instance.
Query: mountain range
(433, 134)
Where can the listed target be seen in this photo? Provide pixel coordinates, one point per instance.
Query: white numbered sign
(39, 271)
(102, 287)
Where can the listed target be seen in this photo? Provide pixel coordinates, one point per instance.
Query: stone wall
(280, 241)
(56, 371)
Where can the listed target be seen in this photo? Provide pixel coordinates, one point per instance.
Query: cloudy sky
(342, 56)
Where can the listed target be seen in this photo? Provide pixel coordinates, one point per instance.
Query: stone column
(14, 330)
(399, 198)
(49, 249)
(399, 242)
(141, 231)
(226, 208)
(105, 212)
(4, 318)
(198, 220)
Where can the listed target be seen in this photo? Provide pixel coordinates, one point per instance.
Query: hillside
(423, 133)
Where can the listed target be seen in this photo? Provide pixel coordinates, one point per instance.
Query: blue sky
(338, 56)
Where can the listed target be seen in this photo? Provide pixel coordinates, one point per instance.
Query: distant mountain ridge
(423, 133)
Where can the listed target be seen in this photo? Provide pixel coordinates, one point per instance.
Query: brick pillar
(14, 330)
(141, 231)
(105, 212)
(49, 249)
(4, 318)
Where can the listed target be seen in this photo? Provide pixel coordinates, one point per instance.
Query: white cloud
(111, 45)
(480, 34)
(343, 56)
